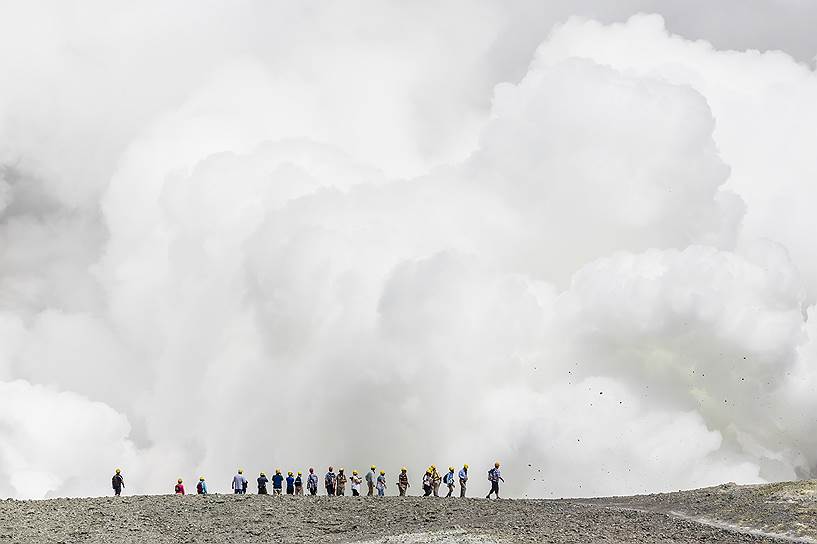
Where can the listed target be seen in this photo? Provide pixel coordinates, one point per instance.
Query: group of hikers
(335, 483)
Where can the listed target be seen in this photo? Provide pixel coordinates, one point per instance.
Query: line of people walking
(335, 483)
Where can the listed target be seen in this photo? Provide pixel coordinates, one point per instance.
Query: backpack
(449, 478)
(491, 475)
(199, 488)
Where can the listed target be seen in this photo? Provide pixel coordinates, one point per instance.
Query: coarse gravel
(406, 520)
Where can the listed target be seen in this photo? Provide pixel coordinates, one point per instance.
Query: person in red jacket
(179, 487)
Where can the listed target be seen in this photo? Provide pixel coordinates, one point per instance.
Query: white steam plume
(384, 248)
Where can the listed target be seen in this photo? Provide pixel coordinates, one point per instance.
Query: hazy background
(565, 235)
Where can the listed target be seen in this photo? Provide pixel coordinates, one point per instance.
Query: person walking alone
(448, 479)
(403, 482)
(463, 480)
(117, 482)
(370, 477)
(494, 476)
(179, 489)
(312, 482)
(239, 483)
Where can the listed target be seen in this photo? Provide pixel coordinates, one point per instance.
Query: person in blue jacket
(201, 487)
(277, 482)
(290, 483)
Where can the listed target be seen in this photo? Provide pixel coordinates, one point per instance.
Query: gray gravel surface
(261, 519)
(787, 509)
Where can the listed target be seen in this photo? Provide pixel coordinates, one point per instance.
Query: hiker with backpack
(329, 482)
(448, 480)
(117, 482)
(494, 476)
(312, 482)
(201, 487)
(179, 489)
(299, 484)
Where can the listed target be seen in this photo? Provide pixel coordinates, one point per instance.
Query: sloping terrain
(787, 509)
(410, 520)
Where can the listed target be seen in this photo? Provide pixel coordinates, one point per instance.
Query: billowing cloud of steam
(293, 252)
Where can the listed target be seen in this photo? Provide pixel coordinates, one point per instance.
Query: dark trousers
(313, 491)
(462, 487)
(330, 490)
(355, 493)
(427, 491)
(494, 489)
(117, 491)
(262, 490)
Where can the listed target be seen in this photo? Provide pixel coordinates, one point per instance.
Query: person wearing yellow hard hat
(463, 480)
(277, 482)
(448, 480)
(403, 482)
(370, 478)
(299, 484)
(428, 484)
(117, 482)
(356, 481)
(262, 482)
(381, 484)
(179, 489)
(201, 487)
(436, 480)
(239, 484)
(495, 476)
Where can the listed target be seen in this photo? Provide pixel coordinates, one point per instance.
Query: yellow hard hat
(382, 472)
(180, 480)
(118, 471)
(277, 471)
(434, 466)
(262, 474)
(373, 467)
(496, 464)
(341, 469)
(289, 473)
(299, 473)
(465, 467)
(403, 469)
(201, 478)
(354, 472)
(241, 471)
(451, 469)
